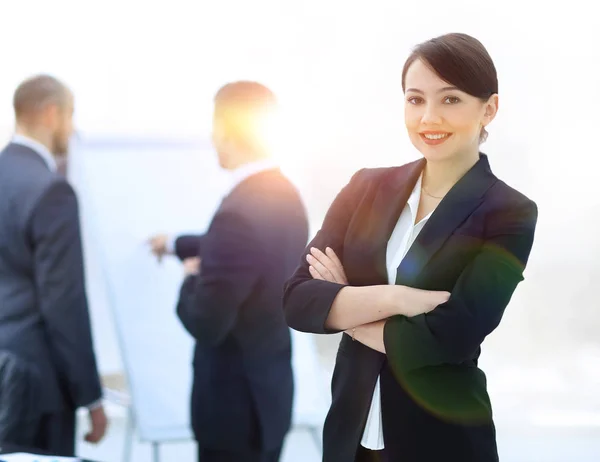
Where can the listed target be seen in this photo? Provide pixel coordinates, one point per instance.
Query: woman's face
(442, 121)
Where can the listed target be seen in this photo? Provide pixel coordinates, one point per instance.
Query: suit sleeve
(209, 302)
(307, 301)
(452, 333)
(60, 282)
(188, 246)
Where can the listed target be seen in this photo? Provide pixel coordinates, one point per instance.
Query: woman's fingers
(315, 274)
(328, 263)
(334, 258)
(325, 266)
(320, 269)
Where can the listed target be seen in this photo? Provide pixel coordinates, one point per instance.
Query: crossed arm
(452, 332)
(326, 266)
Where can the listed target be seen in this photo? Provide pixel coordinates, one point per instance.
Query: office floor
(532, 427)
(516, 444)
(300, 445)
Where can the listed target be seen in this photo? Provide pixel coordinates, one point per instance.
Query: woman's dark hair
(460, 60)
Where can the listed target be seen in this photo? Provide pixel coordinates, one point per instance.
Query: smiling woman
(449, 102)
(416, 264)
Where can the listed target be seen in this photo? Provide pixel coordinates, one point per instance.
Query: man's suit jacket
(433, 396)
(44, 315)
(243, 382)
(188, 246)
(19, 400)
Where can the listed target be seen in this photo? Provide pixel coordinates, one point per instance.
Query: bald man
(44, 320)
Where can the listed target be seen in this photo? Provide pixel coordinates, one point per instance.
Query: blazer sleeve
(188, 246)
(307, 301)
(209, 302)
(453, 331)
(60, 281)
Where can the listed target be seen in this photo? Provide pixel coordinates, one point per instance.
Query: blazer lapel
(389, 201)
(454, 209)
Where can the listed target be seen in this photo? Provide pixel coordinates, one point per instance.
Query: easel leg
(155, 452)
(127, 449)
(314, 431)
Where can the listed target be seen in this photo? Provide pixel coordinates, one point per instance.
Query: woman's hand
(326, 266)
(413, 302)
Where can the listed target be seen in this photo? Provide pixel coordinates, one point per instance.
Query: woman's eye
(415, 100)
(451, 100)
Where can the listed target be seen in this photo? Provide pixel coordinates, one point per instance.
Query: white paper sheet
(25, 457)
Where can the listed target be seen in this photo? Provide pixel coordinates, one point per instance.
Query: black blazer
(44, 316)
(475, 245)
(188, 246)
(243, 382)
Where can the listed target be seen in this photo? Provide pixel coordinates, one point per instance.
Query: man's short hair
(240, 107)
(37, 92)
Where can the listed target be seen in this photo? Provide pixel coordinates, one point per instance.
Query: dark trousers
(212, 455)
(55, 434)
(367, 455)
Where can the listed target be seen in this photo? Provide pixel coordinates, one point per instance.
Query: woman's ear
(491, 109)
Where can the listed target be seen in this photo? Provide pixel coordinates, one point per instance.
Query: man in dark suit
(183, 247)
(231, 299)
(44, 319)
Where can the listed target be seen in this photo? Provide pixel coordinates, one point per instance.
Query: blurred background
(144, 75)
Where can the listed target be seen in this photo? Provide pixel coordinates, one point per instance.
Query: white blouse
(402, 238)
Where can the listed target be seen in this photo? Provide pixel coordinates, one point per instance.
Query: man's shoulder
(15, 157)
(264, 206)
(24, 178)
(264, 182)
(267, 189)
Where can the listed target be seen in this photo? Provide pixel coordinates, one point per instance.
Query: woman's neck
(440, 177)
